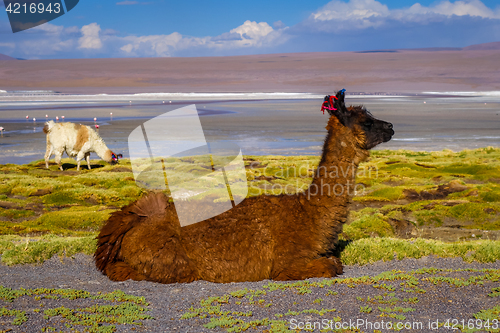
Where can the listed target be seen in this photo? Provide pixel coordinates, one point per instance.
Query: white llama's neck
(100, 147)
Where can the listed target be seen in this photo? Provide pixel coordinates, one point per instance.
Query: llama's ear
(339, 100)
(335, 106)
(339, 105)
(340, 95)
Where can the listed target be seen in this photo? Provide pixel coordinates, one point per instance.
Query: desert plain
(474, 68)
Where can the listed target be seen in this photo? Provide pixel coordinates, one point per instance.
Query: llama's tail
(48, 126)
(109, 241)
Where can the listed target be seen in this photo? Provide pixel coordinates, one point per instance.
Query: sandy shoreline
(33, 99)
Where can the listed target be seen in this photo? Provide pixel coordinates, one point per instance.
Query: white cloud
(155, 45)
(46, 46)
(355, 14)
(72, 30)
(49, 39)
(249, 34)
(90, 38)
(459, 8)
(46, 39)
(361, 14)
(253, 30)
(367, 24)
(279, 25)
(227, 36)
(47, 28)
(352, 10)
(9, 45)
(109, 32)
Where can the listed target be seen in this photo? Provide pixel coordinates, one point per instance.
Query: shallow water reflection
(271, 127)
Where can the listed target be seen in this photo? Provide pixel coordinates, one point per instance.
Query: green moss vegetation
(370, 224)
(46, 212)
(26, 250)
(370, 250)
(72, 221)
(448, 196)
(486, 317)
(427, 189)
(394, 296)
(19, 316)
(103, 312)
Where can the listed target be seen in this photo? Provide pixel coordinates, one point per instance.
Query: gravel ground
(167, 303)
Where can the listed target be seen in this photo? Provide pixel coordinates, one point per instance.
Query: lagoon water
(263, 127)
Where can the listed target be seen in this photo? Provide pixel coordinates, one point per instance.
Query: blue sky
(126, 28)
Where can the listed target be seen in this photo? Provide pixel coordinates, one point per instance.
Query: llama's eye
(368, 123)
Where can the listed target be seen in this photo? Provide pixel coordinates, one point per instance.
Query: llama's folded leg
(120, 271)
(321, 267)
(155, 250)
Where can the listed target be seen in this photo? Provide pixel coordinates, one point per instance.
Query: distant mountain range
(483, 47)
(476, 47)
(6, 57)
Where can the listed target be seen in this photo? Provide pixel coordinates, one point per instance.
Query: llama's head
(366, 129)
(113, 158)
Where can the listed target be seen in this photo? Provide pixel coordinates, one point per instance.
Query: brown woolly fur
(82, 136)
(266, 237)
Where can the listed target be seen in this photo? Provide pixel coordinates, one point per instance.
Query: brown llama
(281, 237)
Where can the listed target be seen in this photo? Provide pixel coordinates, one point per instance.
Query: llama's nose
(388, 126)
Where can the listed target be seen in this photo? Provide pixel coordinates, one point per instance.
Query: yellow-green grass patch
(18, 250)
(73, 221)
(369, 250)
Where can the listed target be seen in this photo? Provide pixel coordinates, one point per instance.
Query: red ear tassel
(328, 107)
